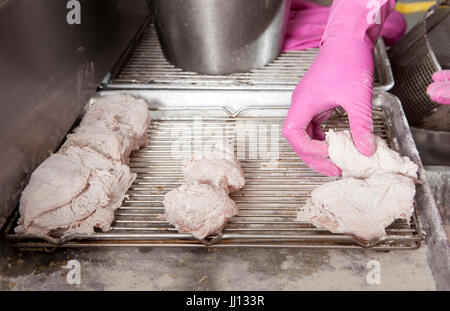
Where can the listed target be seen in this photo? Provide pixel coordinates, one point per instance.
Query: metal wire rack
(278, 183)
(146, 67)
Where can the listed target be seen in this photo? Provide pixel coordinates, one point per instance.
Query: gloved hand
(439, 90)
(307, 22)
(341, 75)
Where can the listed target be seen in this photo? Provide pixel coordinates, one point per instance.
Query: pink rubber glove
(341, 75)
(439, 90)
(307, 22)
(394, 28)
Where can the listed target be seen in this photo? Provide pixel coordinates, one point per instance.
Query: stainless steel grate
(147, 68)
(278, 183)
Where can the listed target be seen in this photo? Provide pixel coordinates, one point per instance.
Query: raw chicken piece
(202, 205)
(78, 189)
(363, 207)
(218, 167)
(122, 112)
(102, 219)
(114, 126)
(360, 207)
(199, 209)
(55, 183)
(353, 164)
(68, 190)
(98, 137)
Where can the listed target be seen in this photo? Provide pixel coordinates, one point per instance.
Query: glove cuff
(357, 20)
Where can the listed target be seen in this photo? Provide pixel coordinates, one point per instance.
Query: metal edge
(120, 238)
(381, 62)
(123, 59)
(384, 68)
(407, 41)
(42, 246)
(438, 247)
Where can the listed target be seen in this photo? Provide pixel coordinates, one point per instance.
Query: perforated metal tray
(424, 50)
(278, 182)
(144, 66)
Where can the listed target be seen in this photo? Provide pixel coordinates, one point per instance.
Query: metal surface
(415, 58)
(49, 69)
(212, 269)
(278, 183)
(434, 146)
(147, 68)
(220, 37)
(438, 253)
(439, 179)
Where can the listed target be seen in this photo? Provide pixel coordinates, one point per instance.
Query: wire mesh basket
(414, 59)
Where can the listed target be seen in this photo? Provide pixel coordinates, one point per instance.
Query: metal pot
(220, 37)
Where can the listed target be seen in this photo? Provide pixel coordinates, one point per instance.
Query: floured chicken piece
(73, 192)
(102, 219)
(114, 126)
(121, 111)
(202, 205)
(99, 138)
(360, 207)
(200, 209)
(218, 166)
(344, 154)
(79, 188)
(381, 191)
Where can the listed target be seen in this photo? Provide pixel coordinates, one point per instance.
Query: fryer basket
(414, 59)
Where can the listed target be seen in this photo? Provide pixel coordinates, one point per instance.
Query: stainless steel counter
(216, 269)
